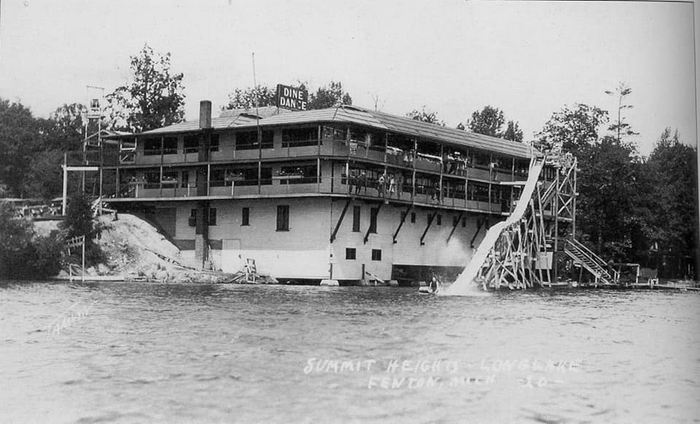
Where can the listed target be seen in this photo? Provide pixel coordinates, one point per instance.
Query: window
(245, 216)
(184, 182)
(191, 144)
(376, 254)
(297, 174)
(152, 179)
(214, 143)
(373, 220)
(293, 137)
(192, 220)
(439, 219)
(170, 145)
(464, 222)
(169, 179)
(455, 220)
(151, 146)
(413, 217)
(356, 213)
(212, 216)
(350, 253)
(283, 218)
(248, 140)
(217, 178)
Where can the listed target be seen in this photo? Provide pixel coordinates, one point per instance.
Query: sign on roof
(291, 98)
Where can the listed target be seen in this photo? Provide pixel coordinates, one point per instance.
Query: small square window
(376, 254)
(350, 253)
(245, 216)
(413, 217)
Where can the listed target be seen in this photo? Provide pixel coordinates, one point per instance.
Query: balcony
(422, 195)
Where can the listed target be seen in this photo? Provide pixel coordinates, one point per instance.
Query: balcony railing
(422, 194)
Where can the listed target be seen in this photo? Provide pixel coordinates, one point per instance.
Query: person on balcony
(381, 184)
(392, 185)
(362, 182)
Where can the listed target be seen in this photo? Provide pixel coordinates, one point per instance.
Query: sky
(452, 57)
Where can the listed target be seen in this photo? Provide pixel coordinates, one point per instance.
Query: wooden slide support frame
(513, 261)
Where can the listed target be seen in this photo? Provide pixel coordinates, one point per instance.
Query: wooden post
(65, 182)
(83, 259)
(555, 254)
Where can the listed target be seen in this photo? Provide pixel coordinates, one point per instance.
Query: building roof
(272, 116)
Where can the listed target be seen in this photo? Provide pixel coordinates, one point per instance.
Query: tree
(329, 96)
(673, 224)
(488, 121)
(425, 116)
(572, 129)
(607, 186)
(79, 222)
(20, 138)
(153, 98)
(22, 253)
(65, 128)
(45, 179)
(513, 132)
(607, 181)
(620, 126)
(246, 99)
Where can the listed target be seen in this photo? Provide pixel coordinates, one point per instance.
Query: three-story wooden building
(338, 193)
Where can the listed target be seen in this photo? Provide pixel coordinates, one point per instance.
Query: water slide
(465, 284)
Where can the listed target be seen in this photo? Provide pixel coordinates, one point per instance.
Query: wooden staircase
(591, 262)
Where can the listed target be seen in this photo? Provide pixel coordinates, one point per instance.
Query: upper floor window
(248, 140)
(294, 137)
(214, 143)
(297, 174)
(170, 145)
(191, 144)
(151, 146)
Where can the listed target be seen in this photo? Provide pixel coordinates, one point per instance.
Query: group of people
(454, 163)
(386, 185)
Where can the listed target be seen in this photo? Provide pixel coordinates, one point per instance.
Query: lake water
(123, 352)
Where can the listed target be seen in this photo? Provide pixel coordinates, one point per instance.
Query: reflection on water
(118, 352)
